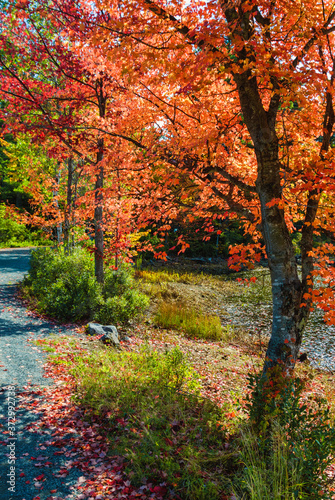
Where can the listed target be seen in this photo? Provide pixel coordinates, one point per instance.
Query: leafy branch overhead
(195, 110)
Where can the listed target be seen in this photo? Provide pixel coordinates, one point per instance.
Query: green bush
(64, 285)
(307, 432)
(65, 288)
(117, 282)
(14, 234)
(121, 308)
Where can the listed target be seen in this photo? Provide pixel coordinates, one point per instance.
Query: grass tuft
(180, 317)
(169, 276)
(268, 477)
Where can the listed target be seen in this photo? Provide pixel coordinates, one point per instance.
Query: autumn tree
(240, 96)
(58, 94)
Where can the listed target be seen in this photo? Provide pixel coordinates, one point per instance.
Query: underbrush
(276, 446)
(157, 419)
(181, 317)
(64, 287)
(288, 443)
(15, 235)
(265, 476)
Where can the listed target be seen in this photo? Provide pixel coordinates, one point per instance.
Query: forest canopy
(150, 111)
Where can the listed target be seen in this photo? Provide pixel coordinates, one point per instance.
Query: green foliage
(268, 477)
(296, 240)
(305, 426)
(193, 323)
(18, 159)
(64, 285)
(120, 300)
(65, 288)
(150, 401)
(121, 308)
(117, 282)
(13, 234)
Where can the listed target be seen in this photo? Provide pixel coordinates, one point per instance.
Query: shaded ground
(21, 370)
(58, 455)
(47, 449)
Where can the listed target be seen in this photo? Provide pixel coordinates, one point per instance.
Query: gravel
(21, 373)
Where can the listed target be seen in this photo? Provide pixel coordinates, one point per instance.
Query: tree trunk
(98, 217)
(68, 208)
(99, 184)
(289, 319)
(55, 194)
(290, 309)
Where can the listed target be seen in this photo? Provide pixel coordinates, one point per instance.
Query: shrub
(305, 428)
(120, 308)
(65, 287)
(194, 324)
(117, 282)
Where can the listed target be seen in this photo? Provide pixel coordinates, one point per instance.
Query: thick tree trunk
(289, 319)
(98, 217)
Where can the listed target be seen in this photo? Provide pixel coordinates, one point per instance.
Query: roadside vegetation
(62, 285)
(182, 402)
(14, 235)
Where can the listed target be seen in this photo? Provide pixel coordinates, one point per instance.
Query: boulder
(108, 333)
(95, 329)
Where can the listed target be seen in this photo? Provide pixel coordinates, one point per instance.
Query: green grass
(157, 419)
(194, 324)
(274, 477)
(169, 276)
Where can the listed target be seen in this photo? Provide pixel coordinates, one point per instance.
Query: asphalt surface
(21, 372)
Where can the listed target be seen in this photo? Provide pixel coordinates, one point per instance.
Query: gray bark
(99, 184)
(68, 208)
(98, 218)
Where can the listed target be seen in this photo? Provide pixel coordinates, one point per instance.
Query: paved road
(21, 369)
